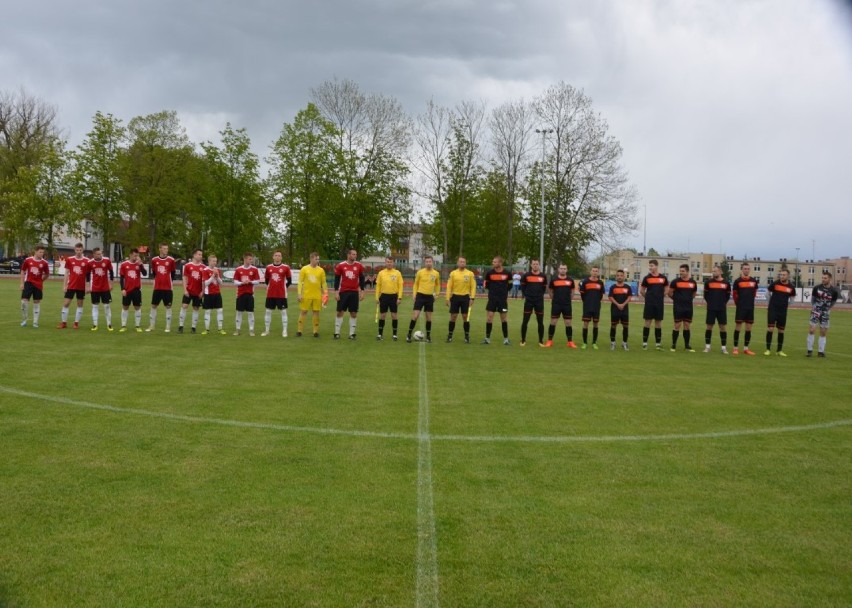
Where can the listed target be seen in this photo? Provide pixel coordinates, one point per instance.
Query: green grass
(110, 508)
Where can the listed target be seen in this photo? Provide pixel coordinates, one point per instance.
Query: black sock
(540, 319)
(747, 340)
(428, 329)
(768, 339)
(595, 335)
(524, 324)
(780, 340)
(708, 336)
(504, 325)
(569, 333)
(466, 327)
(646, 331)
(394, 325)
(585, 335)
(488, 327)
(687, 337)
(381, 326)
(736, 337)
(612, 334)
(723, 335)
(624, 333)
(658, 334)
(452, 328)
(551, 330)
(411, 326)
(675, 334)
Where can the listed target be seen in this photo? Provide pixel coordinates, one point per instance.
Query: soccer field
(185, 470)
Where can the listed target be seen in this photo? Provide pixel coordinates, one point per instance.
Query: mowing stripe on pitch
(427, 541)
(412, 436)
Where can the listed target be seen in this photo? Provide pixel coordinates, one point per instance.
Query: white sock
(238, 320)
(194, 318)
(251, 321)
(78, 314)
(25, 304)
(137, 316)
(207, 320)
(108, 315)
(338, 322)
(822, 344)
(124, 314)
(810, 342)
(95, 315)
(220, 317)
(36, 312)
(267, 319)
(284, 320)
(64, 315)
(153, 317)
(181, 317)
(168, 318)
(352, 323)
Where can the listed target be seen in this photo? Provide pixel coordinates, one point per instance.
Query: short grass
(117, 508)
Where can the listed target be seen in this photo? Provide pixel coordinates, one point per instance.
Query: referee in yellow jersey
(427, 287)
(461, 291)
(388, 296)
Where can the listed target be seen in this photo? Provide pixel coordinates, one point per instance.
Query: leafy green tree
(96, 179)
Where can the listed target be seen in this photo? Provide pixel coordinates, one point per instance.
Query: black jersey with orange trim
(683, 291)
(744, 291)
(561, 290)
(497, 283)
(533, 285)
(592, 291)
(655, 288)
(620, 293)
(780, 294)
(717, 292)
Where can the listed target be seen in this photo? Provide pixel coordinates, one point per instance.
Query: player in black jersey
(682, 292)
(823, 298)
(653, 289)
(717, 292)
(744, 292)
(561, 288)
(497, 281)
(780, 294)
(592, 293)
(619, 294)
(533, 286)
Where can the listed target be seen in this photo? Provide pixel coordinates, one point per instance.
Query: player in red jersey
(130, 273)
(212, 277)
(74, 285)
(193, 289)
(34, 271)
(278, 278)
(246, 277)
(162, 269)
(349, 291)
(100, 277)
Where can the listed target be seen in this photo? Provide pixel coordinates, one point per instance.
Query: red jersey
(163, 269)
(277, 280)
(100, 273)
(213, 287)
(252, 274)
(350, 276)
(130, 274)
(75, 273)
(192, 278)
(35, 271)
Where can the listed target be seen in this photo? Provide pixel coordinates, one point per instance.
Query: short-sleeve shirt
(534, 285)
(76, 270)
(350, 274)
(35, 271)
(100, 271)
(131, 271)
(620, 293)
(214, 288)
(717, 292)
(744, 291)
(780, 295)
(251, 273)
(163, 269)
(683, 292)
(592, 292)
(276, 280)
(655, 288)
(497, 283)
(192, 273)
(561, 290)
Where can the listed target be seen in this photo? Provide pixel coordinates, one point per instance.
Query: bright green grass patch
(110, 508)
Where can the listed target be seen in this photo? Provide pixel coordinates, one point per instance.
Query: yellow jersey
(388, 282)
(312, 283)
(427, 282)
(461, 283)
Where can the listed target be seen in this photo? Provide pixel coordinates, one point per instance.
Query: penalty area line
(557, 439)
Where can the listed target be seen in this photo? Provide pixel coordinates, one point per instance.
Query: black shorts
(132, 298)
(620, 316)
(245, 303)
(31, 291)
(776, 318)
(349, 301)
(212, 301)
(717, 316)
(536, 306)
(497, 304)
(591, 314)
(101, 297)
(425, 302)
(459, 304)
(653, 311)
(388, 302)
(745, 315)
(560, 310)
(162, 296)
(276, 303)
(683, 313)
(195, 301)
(80, 294)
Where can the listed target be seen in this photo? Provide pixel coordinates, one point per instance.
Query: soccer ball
(418, 335)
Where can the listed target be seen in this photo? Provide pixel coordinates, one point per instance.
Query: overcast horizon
(734, 115)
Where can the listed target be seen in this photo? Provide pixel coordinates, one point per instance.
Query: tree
(432, 138)
(726, 270)
(96, 179)
(652, 252)
(235, 215)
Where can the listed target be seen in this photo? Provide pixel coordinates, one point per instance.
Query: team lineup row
(202, 291)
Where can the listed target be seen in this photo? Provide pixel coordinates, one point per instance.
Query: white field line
(416, 437)
(427, 541)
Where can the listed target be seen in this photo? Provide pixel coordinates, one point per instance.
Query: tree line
(350, 170)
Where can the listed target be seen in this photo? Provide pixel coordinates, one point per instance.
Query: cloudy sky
(735, 115)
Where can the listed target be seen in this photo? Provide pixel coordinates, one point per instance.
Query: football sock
(585, 335)
(687, 337)
(646, 331)
(466, 327)
(352, 324)
(207, 320)
(168, 318)
(24, 310)
(780, 341)
(747, 339)
(36, 312)
(381, 326)
(736, 337)
(658, 334)
(569, 333)
(315, 323)
(723, 335)
(194, 318)
(124, 314)
(220, 317)
(138, 317)
(267, 319)
(284, 320)
(524, 324)
(810, 342)
(612, 334)
(300, 324)
(64, 315)
(768, 339)
(675, 335)
(153, 316)
(181, 317)
(550, 331)
(504, 325)
(394, 325)
(488, 327)
(624, 333)
(594, 335)
(822, 344)
(428, 328)
(451, 327)
(540, 319)
(708, 335)
(238, 320)
(411, 325)
(251, 321)
(338, 323)
(78, 314)
(95, 315)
